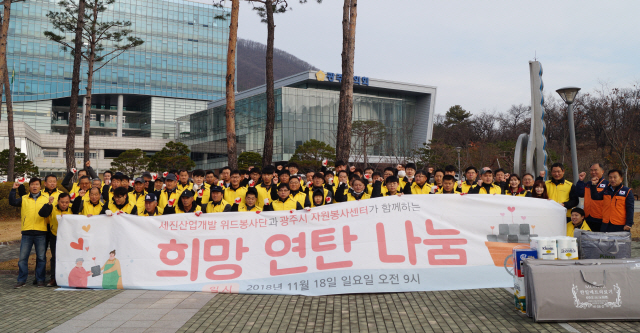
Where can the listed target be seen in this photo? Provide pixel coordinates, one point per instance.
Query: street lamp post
(458, 149)
(568, 95)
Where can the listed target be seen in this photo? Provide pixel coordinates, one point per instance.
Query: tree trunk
(87, 113)
(267, 154)
(365, 143)
(75, 89)
(10, 133)
(345, 110)
(230, 112)
(4, 37)
(4, 80)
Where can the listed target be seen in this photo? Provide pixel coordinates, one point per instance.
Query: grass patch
(10, 230)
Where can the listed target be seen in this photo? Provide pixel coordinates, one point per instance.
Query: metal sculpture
(536, 143)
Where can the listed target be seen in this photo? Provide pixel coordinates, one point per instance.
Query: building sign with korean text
(391, 244)
(333, 77)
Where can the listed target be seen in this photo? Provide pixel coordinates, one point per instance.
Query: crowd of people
(608, 205)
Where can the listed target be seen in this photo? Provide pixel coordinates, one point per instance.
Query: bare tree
(370, 133)
(266, 12)
(230, 111)
(345, 109)
(96, 33)
(4, 80)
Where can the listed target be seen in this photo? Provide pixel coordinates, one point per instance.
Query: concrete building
(307, 108)
(136, 97)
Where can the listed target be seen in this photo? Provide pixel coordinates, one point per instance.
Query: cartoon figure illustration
(78, 275)
(112, 275)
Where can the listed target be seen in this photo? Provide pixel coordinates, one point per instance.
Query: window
(50, 153)
(165, 135)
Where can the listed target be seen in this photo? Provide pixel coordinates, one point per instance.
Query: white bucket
(547, 248)
(567, 248)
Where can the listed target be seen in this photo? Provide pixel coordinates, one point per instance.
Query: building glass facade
(181, 64)
(303, 112)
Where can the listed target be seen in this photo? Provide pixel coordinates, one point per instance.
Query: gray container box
(587, 289)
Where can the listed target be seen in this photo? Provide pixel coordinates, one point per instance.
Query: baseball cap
(187, 194)
(171, 177)
(216, 189)
(139, 180)
(150, 197)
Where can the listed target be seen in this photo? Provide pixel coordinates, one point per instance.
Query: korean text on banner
(395, 244)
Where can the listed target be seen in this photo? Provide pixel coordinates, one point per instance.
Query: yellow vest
(89, 209)
(300, 197)
(350, 197)
(288, 204)
(144, 212)
(230, 194)
(263, 193)
(243, 208)
(559, 193)
(465, 187)
(571, 228)
(180, 188)
(165, 197)
(55, 195)
(54, 218)
(206, 194)
(137, 198)
(415, 188)
(494, 189)
(523, 194)
(180, 211)
(213, 208)
(127, 207)
(29, 213)
(441, 191)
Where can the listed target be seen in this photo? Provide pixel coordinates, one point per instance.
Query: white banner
(392, 244)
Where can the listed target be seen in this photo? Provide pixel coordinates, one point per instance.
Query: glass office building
(307, 108)
(180, 67)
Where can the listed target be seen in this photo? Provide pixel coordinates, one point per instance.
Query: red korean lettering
(412, 241)
(211, 272)
(348, 238)
(323, 236)
(382, 247)
(300, 248)
(446, 244)
(165, 249)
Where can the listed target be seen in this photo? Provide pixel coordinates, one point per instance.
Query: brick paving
(32, 309)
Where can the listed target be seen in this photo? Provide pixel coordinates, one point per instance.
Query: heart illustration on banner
(87, 248)
(86, 227)
(511, 209)
(501, 214)
(94, 258)
(523, 217)
(78, 245)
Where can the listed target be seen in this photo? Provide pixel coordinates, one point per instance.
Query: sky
(475, 52)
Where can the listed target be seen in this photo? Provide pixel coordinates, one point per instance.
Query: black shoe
(19, 285)
(40, 284)
(35, 282)
(52, 283)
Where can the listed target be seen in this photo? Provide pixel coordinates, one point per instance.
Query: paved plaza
(32, 309)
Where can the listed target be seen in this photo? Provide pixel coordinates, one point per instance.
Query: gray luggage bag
(577, 290)
(601, 245)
